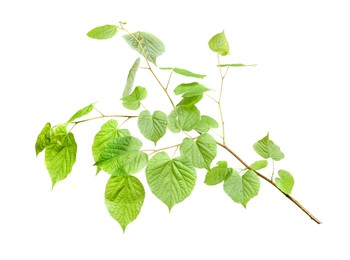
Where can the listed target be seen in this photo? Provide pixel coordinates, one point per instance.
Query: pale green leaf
(218, 43)
(146, 44)
(218, 173)
(124, 196)
(131, 77)
(268, 149)
(285, 182)
(43, 139)
(205, 124)
(237, 65)
(258, 165)
(190, 89)
(82, 112)
(153, 127)
(242, 188)
(170, 180)
(103, 32)
(183, 118)
(122, 156)
(190, 101)
(200, 152)
(133, 101)
(185, 72)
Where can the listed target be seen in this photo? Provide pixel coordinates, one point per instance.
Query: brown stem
(271, 182)
(99, 117)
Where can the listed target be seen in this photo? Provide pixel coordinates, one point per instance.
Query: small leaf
(185, 72)
(60, 156)
(218, 43)
(205, 124)
(242, 189)
(285, 182)
(122, 157)
(132, 101)
(190, 89)
(131, 77)
(237, 65)
(190, 101)
(146, 44)
(170, 180)
(124, 197)
(82, 112)
(153, 127)
(268, 149)
(200, 152)
(258, 165)
(218, 173)
(183, 118)
(103, 32)
(43, 139)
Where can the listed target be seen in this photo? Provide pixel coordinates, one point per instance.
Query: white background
(298, 92)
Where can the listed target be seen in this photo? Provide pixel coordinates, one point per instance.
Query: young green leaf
(153, 127)
(242, 189)
(218, 43)
(285, 182)
(124, 197)
(190, 101)
(146, 44)
(200, 152)
(43, 139)
(133, 101)
(122, 156)
(185, 72)
(183, 118)
(258, 165)
(60, 156)
(103, 32)
(131, 77)
(237, 65)
(190, 89)
(82, 112)
(170, 180)
(218, 173)
(205, 124)
(268, 149)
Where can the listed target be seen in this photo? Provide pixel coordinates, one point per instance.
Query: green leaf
(124, 197)
(43, 139)
(133, 101)
(103, 32)
(237, 65)
(60, 155)
(153, 127)
(218, 43)
(205, 124)
(268, 149)
(259, 165)
(122, 156)
(218, 173)
(190, 101)
(171, 180)
(146, 44)
(190, 89)
(185, 72)
(183, 118)
(131, 77)
(242, 189)
(200, 152)
(82, 112)
(285, 182)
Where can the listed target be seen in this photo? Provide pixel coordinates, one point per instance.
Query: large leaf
(200, 152)
(242, 189)
(258, 165)
(236, 65)
(218, 43)
(124, 197)
(268, 149)
(205, 124)
(185, 72)
(190, 101)
(183, 118)
(133, 101)
(43, 139)
(131, 77)
(122, 157)
(153, 127)
(103, 32)
(218, 173)
(146, 44)
(171, 180)
(285, 182)
(190, 89)
(60, 156)
(82, 112)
